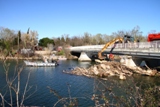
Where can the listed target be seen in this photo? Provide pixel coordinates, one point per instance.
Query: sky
(54, 18)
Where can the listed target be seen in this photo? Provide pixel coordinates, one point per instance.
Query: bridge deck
(142, 49)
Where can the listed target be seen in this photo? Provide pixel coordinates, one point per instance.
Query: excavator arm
(107, 45)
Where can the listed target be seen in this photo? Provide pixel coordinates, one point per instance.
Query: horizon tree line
(11, 39)
(97, 39)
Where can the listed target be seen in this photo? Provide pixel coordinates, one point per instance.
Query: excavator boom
(107, 45)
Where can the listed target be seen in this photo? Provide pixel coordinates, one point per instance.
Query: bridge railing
(148, 46)
(141, 45)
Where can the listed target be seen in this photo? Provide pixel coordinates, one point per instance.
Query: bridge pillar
(128, 61)
(84, 57)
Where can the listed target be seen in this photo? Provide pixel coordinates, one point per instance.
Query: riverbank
(29, 58)
(36, 57)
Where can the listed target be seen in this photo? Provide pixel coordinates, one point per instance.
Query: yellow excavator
(116, 40)
(126, 39)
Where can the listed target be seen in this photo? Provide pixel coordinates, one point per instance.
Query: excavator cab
(128, 38)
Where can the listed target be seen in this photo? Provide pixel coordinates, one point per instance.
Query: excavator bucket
(100, 56)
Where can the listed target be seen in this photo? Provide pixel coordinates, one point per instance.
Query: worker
(45, 60)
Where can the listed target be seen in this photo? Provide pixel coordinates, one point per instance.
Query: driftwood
(106, 69)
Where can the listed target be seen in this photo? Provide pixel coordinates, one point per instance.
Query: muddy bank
(29, 58)
(111, 68)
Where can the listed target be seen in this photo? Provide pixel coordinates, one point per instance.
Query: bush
(60, 52)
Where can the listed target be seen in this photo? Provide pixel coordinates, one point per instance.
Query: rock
(111, 73)
(98, 61)
(103, 66)
(158, 74)
(150, 72)
(122, 61)
(95, 70)
(108, 67)
(116, 71)
(122, 77)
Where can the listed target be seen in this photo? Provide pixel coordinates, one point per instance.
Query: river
(79, 86)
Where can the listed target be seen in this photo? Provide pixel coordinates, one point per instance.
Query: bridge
(148, 51)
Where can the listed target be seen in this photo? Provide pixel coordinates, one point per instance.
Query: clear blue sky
(53, 18)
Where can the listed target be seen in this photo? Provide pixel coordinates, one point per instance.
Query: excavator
(126, 39)
(107, 45)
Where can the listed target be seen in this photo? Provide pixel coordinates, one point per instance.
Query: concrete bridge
(143, 51)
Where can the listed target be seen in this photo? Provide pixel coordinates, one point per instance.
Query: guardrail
(141, 46)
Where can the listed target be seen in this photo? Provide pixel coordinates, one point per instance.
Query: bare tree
(34, 37)
(30, 39)
(86, 39)
(13, 85)
(100, 38)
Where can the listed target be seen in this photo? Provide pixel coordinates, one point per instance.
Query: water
(80, 87)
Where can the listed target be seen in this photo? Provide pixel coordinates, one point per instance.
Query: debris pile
(106, 69)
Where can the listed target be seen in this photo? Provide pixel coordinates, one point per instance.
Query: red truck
(153, 37)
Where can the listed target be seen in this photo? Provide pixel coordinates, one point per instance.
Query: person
(45, 60)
